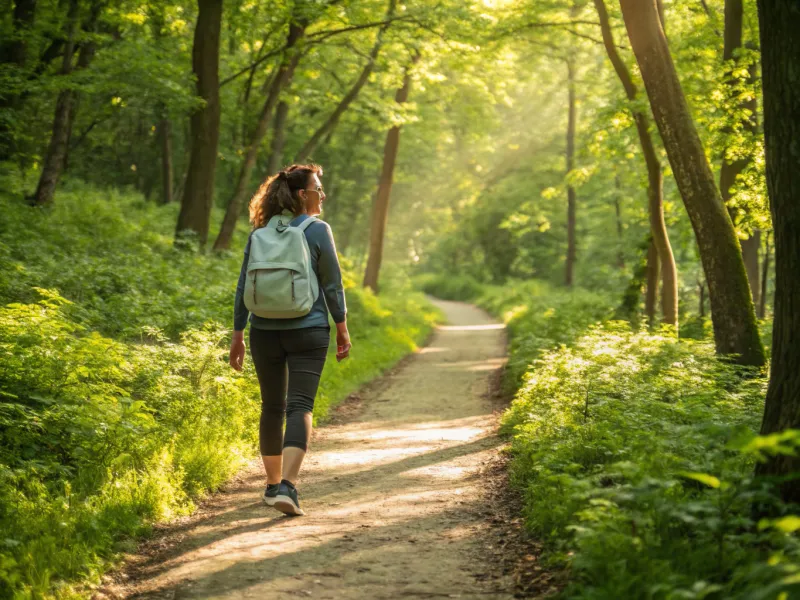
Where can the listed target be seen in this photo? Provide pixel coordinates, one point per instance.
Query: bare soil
(405, 494)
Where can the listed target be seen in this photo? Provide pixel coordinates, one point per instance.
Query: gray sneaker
(286, 500)
(270, 493)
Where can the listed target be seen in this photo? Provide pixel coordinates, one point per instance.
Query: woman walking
(289, 353)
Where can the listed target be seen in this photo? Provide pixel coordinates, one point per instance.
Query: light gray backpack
(280, 282)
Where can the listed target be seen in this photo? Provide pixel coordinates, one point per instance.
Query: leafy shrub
(540, 316)
(117, 405)
(451, 287)
(631, 448)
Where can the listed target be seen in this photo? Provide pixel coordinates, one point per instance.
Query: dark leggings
(288, 364)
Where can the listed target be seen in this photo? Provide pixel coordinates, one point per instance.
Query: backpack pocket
(271, 290)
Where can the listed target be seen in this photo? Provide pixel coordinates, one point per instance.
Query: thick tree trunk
(380, 208)
(731, 169)
(732, 311)
(653, 272)
(198, 195)
(311, 145)
(569, 277)
(165, 139)
(53, 162)
(655, 187)
(279, 138)
(780, 55)
(279, 81)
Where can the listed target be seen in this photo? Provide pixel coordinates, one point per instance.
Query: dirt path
(393, 495)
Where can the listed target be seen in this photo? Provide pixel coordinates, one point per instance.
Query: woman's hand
(343, 344)
(237, 350)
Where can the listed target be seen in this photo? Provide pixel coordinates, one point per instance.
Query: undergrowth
(117, 406)
(635, 451)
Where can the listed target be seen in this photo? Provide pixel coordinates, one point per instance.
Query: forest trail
(392, 492)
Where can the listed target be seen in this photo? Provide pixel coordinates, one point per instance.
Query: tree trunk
(164, 128)
(311, 145)
(198, 195)
(731, 169)
(85, 57)
(380, 208)
(279, 81)
(278, 138)
(53, 162)
(732, 311)
(780, 55)
(571, 196)
(632, 296)
(14, 51)
(618, 213)
(655, 182)
(653, 271)
(750, 250)
(762, 305)
(165, 137)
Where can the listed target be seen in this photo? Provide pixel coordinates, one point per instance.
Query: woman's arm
(330, 276)
(330, 280)
(240, 315)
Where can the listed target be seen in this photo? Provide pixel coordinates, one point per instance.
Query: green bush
(451, 287)
(117, 405)
(629, 448)
(540, 316)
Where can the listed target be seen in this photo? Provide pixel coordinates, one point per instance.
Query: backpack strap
(305, 224)
(279, 219)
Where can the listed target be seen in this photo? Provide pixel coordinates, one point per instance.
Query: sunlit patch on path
(391, 495)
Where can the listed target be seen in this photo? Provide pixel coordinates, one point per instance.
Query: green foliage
(117, 405)
(635, 451)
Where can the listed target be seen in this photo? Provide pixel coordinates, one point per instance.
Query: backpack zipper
(293, 286)
(255, 302)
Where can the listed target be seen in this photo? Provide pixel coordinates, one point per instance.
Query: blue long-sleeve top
(325, 264)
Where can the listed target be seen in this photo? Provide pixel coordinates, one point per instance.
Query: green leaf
(705, 478)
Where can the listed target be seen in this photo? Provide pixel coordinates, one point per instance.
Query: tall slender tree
(780, 55)
(732, 311)
(569, 276)
(53, 162)
(164, 127)
(330, 123)
(198, 193)
(279, 138)
(662, 253)
(280, 79)
(14, 52)
(380, 207)
(746, 113)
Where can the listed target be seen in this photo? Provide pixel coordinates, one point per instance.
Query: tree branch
(320, 36)
(314, 38)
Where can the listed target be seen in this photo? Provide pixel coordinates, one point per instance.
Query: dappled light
(494, 298)
(390, 491)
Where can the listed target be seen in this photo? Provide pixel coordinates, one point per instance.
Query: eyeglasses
(318, 189)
